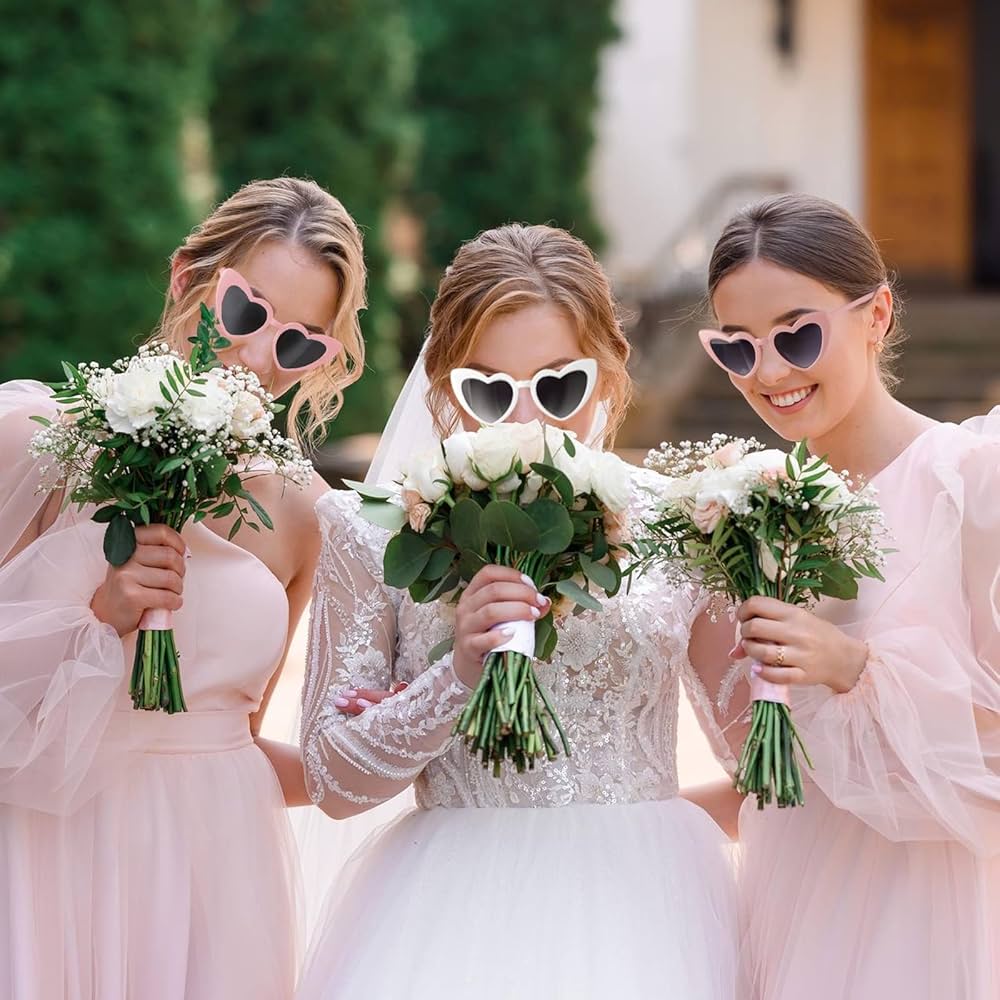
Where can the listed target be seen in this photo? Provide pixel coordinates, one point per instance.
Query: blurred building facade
(885, 106)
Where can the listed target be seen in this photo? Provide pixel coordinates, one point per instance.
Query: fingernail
(507, 633)
(351, 694)
(542, 600)
(364, 704)
(341, 702)
(735, 651)
(401, 686)
(535, 613)
(187, 553)
(527, 579)
(755, 668)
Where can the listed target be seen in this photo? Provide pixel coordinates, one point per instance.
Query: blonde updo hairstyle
(287, 210)
(512, 267)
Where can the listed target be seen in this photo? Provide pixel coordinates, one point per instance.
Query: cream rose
(458, 459)
(493, 453)
(611, 480)
(249, 418)
(427, 476)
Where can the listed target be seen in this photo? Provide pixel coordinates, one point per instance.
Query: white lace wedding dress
(587, 877)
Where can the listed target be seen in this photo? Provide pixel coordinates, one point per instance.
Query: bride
(589, 876)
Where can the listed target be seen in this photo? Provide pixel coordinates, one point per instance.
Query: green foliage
(319, 88)
(506, 94)
(93, 99)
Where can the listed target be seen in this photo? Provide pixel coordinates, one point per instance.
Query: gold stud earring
(879, 346)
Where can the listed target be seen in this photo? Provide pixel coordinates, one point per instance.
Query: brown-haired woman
(589, 876)
(144, 854)
(887, 882)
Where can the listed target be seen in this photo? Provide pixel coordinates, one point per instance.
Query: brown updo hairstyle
(511, 267)
(816, 238)
(287, 210)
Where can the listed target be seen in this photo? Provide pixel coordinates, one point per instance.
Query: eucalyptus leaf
(385, 515)
(404, 560)
(507, 525)
(555, 526)
(598, 573)
(119, 540)
(439, 650)
(368, 491)
(572, 590)
(466, 522)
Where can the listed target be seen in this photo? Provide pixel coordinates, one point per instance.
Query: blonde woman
(145, 855)
(589, 876)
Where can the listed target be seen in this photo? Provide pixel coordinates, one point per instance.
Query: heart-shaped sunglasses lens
(562, 395)
(800, 347)
(294, 350)
(489, 401)
(738, 356)
(241, 317)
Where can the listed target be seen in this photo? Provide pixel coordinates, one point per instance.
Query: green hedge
(318, 88)
(506, 93)
(93, 98)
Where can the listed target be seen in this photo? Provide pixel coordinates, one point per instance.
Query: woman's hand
(496, 595)
(793, 646)
(152, 578)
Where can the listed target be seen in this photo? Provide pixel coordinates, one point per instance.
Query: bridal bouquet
(743, 521)
(157, 438)
(516, 495)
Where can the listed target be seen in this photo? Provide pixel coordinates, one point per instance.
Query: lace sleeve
(353, 763)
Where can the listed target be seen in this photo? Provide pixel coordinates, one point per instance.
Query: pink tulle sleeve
(61, 670)
(914, 749)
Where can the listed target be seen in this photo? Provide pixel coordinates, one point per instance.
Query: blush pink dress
(142, 856)
(887, 883)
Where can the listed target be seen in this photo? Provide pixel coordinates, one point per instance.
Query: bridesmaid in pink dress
(887, 883)
(143, 855)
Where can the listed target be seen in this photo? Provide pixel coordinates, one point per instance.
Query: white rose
(707, 514)
(458, 455)
(576, 467)
(767, 464)
(529, 442)
(611, 480)
(839, 491)
(427, 476)
(726, 456)
(250, 419)
(209, 411)
(493, 452)
(133, 399)
(532, 487)
(729, 487)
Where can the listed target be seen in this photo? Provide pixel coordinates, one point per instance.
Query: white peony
(611, 480)
(427, 476)
(249, 419)
(210, 411)
(493, 452)
(458, 458)
(133, 399)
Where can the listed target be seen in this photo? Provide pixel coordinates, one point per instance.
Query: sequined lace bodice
(614, 680)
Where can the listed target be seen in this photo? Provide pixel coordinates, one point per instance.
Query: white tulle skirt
(588, 901)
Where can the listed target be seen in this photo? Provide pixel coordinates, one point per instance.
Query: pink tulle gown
(142, 856)
(886, 885)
